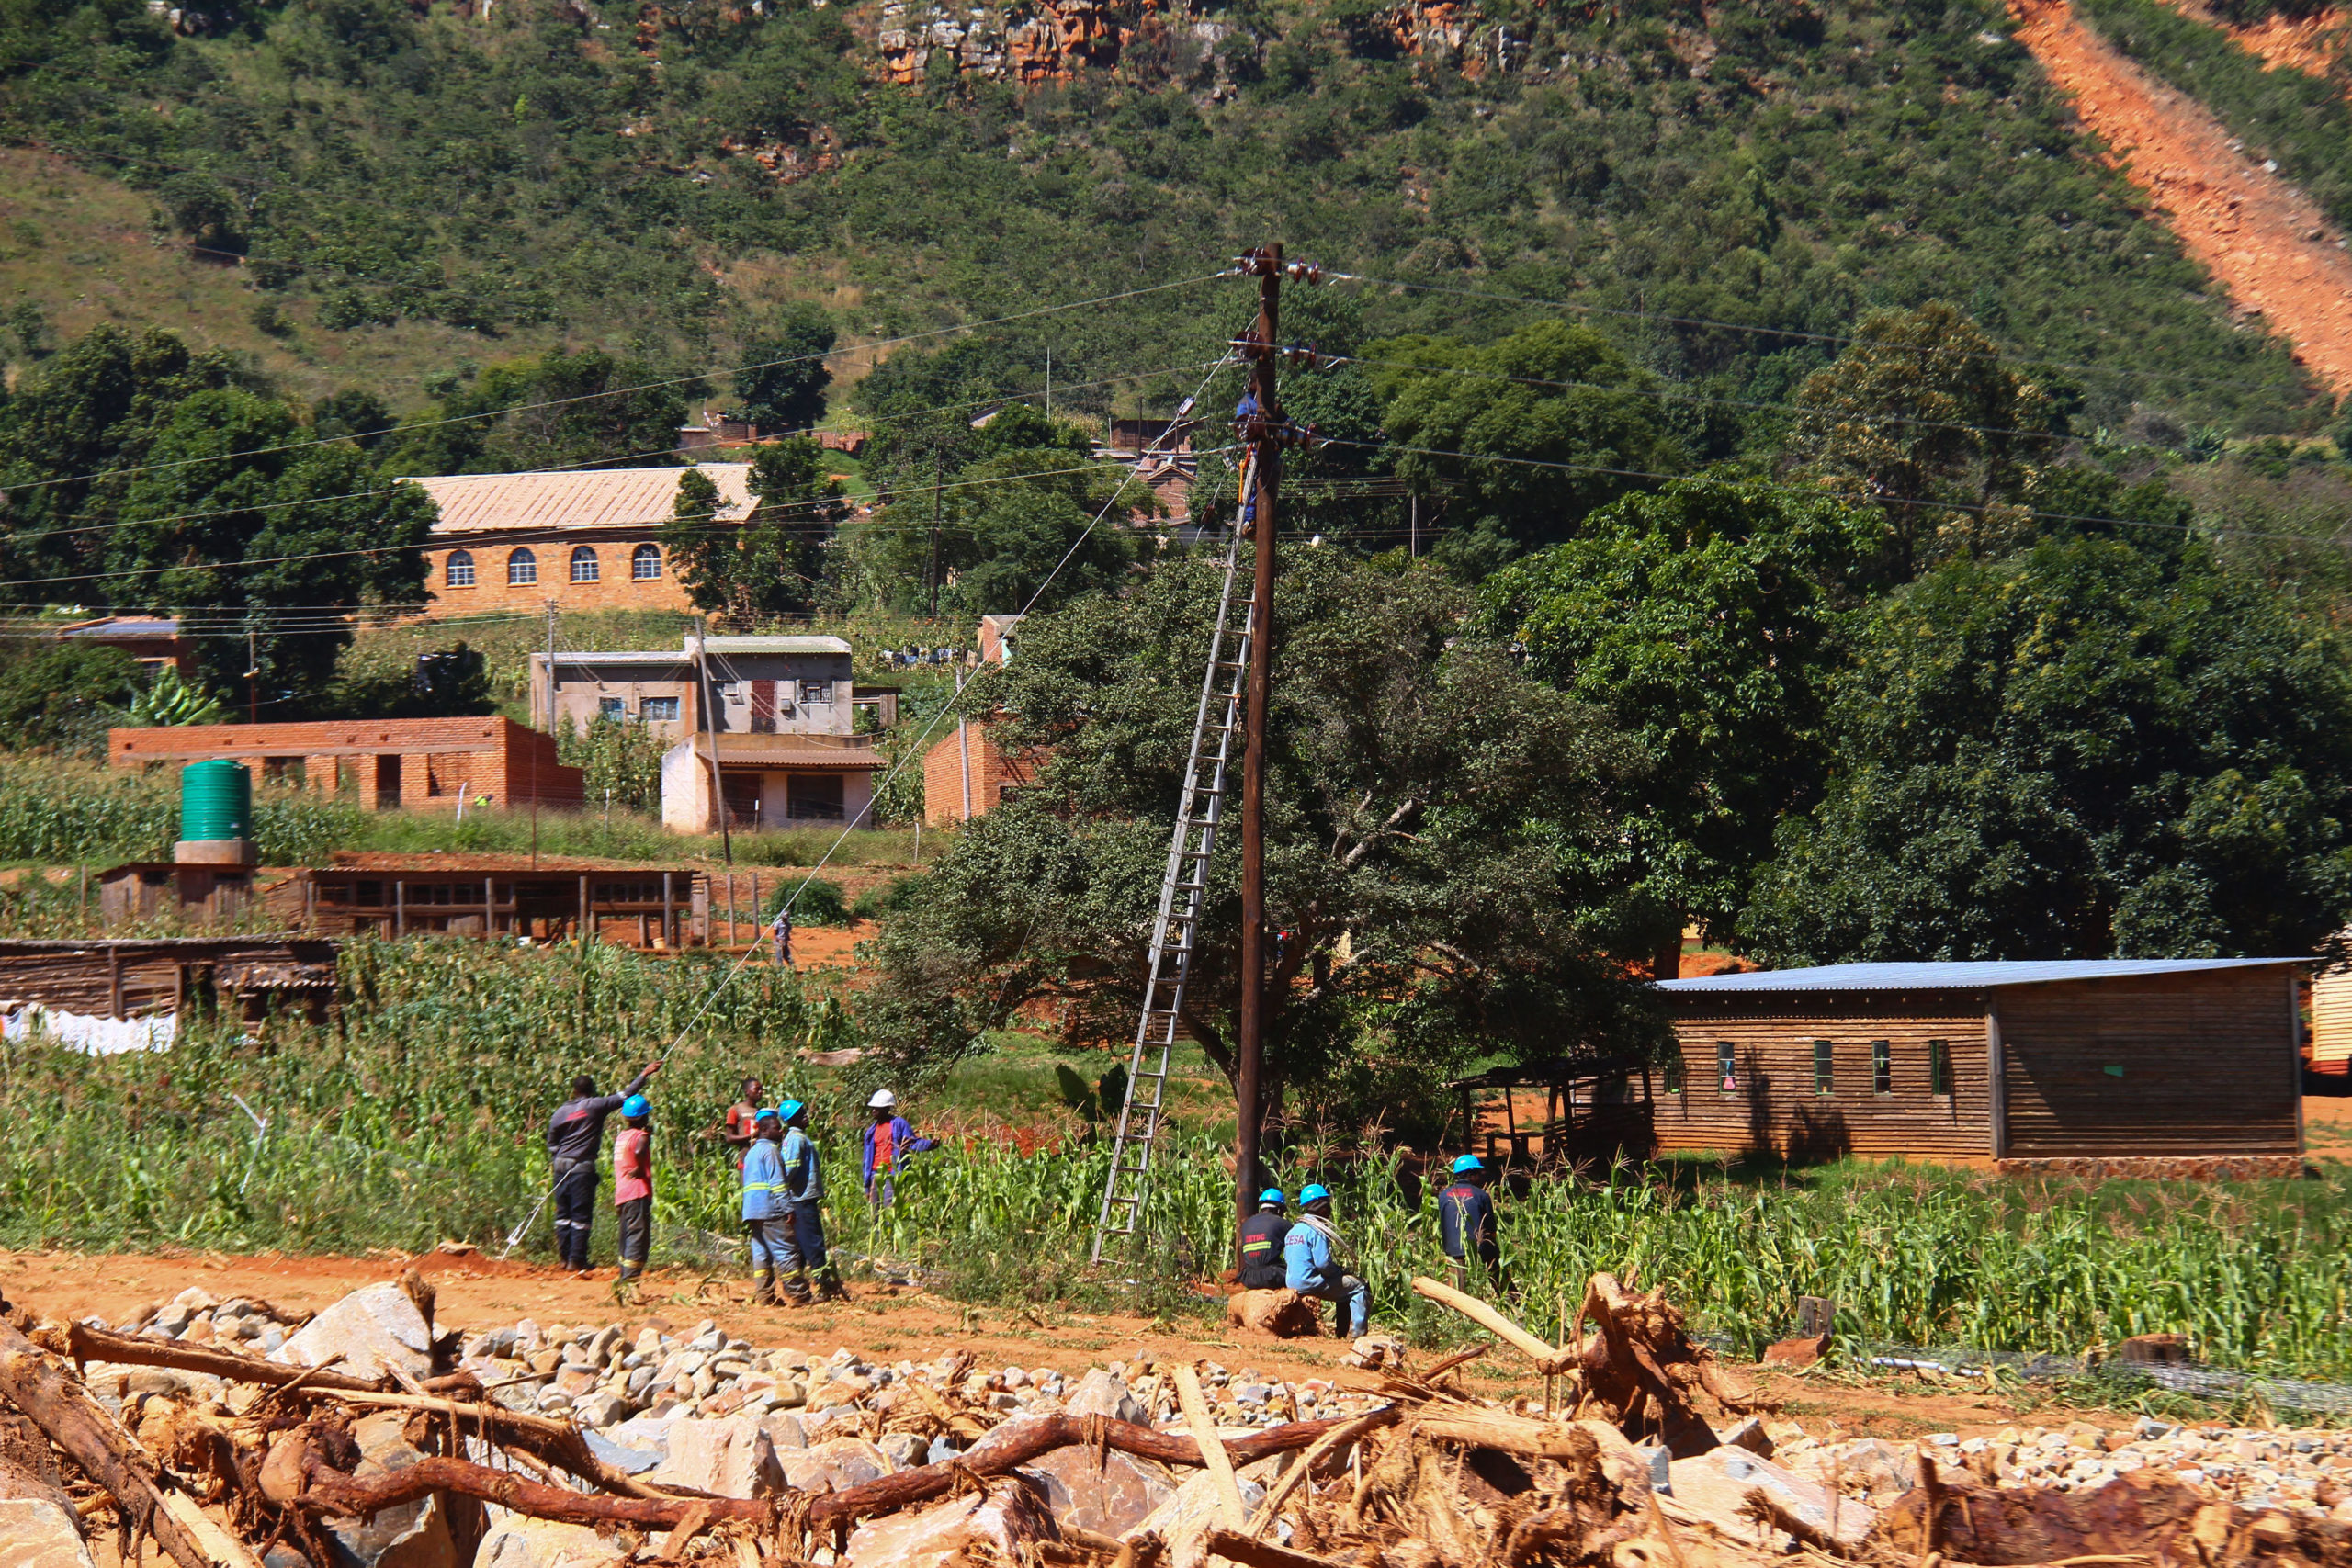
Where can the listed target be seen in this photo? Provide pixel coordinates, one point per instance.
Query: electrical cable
(657, 385)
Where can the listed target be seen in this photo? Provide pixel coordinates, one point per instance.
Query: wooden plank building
(2103, 1068)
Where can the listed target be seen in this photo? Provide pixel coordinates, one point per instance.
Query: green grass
(418, 1119)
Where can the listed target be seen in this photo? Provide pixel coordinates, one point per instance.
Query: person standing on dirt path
(781, 928)
(804, 1197)
(1313, 1258)
(885, 1141)
(633, 1184)
(1465, 1219)
(764, 1215)
(1261, 1242)
(742, 1117)
(575, 1139)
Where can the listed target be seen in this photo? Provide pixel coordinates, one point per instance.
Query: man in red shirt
(633, 1184)
(742, 1117)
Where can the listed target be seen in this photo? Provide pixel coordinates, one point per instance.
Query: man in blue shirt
(767, 1216)
(1313, 1256)
(1465, 1217)
(804, 1194)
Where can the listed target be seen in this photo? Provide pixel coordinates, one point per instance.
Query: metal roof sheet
(126, 625)
(1954, 977)
(833, 753)
(592, 498)
(777, 645)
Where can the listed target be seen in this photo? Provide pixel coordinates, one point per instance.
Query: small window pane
(1824, 1076)
(1881, 1067)
(645, 565)
(1939, 1066)
(612, 707)
(1672, 1074)
(816, 691)
(461, 570)
(656, 709)
(522, 568)
(583, 564)
(1726, 1067)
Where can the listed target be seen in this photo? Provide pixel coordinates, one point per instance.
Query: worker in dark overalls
(1465, 1217)
(1261, 1242)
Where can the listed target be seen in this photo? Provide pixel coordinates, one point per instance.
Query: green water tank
(216, 802)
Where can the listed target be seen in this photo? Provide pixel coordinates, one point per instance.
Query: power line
(486, 414)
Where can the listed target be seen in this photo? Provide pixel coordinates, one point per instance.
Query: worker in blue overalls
(804, 1195)
(765, 1215)
(1314, 1255)
(1465, 1219)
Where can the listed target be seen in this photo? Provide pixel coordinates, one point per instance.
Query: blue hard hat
(788, 1109)
(770, 1114)
(1273, 1195)
(1311, 1192)
(1467, 1163)
(636, 1105)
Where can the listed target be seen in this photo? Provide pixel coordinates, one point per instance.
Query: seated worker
(1312, 1261)
(1261, 1242)
(1465, 1217)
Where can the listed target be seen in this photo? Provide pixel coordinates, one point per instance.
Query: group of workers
(778, 1163)
(784, 1189)
(1311, 1256)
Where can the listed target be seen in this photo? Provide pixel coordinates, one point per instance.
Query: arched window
(583, 564)
(645, 563)
(459, 572)
(522, 568)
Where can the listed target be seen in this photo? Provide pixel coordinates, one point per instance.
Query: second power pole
(1266, 461)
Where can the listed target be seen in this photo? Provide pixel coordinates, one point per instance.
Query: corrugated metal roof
(594, 498)
(124, 626)
(1956, 976)
(833, 752)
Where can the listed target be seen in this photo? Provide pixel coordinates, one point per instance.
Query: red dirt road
(2261, 237)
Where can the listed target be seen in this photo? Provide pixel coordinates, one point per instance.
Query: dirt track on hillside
(2262, 239)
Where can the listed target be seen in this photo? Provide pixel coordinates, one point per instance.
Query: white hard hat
(883, 1100)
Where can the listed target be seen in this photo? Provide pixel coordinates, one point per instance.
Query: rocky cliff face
(1042, 41)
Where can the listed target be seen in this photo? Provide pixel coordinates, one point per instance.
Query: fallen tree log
(1549, 1359)
(558, 1442)
(87, 1344)
(328, 1491)
(58, 1403)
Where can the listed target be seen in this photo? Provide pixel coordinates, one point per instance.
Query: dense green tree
(1430, 825)
(782, 386)
(63, 694)
(1920, 409)
(1525, 435)
(2080, 750)
(773, 565)
(1707, 621)
(588, 410)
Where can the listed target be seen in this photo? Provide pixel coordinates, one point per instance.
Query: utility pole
(535, 751)
(710, 728)
(252, 672)
(1261, 432)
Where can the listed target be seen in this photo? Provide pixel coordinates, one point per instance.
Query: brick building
(422, 763)
(963, 774)
(768, 781)
(588, 540)
(153, 640)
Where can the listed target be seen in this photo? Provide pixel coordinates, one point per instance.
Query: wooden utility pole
(1260, 431)
(703, 696)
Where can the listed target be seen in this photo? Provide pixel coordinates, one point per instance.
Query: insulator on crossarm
(1303, 272)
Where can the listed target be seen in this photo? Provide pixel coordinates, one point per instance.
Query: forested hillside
(679, 185)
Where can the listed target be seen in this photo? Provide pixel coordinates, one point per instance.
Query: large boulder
(834, 1465)
(1193, 1509)
(516, 1541)
(727, 1458)
(1001, 1525)
(37, 1533)
(413, 1535)
(1716, 1483)
(364, 1333)
(1100, 1393)
(1108, 1499)
(1284, 1314)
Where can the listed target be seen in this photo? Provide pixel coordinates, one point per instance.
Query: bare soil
(2310, 44)
(2262, 239)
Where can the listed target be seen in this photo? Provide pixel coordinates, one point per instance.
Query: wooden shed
(648, 906)
(2088, 1067)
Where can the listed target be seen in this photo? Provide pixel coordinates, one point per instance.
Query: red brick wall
(493, 756)
(943, 775)
(615, 588)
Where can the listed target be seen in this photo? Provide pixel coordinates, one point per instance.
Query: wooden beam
(1548, 1358)
(1196, 1415)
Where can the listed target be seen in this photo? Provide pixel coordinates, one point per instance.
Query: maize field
(418, 1117)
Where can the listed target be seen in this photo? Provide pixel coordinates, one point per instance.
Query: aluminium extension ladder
(1181, 890)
